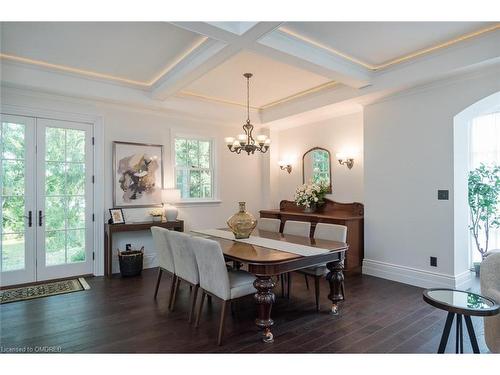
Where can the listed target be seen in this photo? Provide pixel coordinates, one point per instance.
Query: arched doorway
(462, 164)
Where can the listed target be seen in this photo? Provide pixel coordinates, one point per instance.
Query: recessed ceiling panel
(377, 43)
(132, 50)
(271, 81)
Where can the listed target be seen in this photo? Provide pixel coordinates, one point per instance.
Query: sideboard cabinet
(348, 214)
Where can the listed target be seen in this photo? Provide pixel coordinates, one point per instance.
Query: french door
(46, 199)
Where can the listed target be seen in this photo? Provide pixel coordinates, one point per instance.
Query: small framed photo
(116, 216)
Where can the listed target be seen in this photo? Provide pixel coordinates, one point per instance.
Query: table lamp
(169, 196)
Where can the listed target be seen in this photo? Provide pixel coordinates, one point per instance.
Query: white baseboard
(416, 277)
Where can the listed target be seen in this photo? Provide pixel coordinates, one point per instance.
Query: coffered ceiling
(298, 67)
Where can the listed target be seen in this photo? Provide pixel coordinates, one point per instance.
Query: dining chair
(330, 232)
(216, 280)
(270, 225)
(297, 228)
(165, 259)
(186, 268)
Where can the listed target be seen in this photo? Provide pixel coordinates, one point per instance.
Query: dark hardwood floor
(119, 315)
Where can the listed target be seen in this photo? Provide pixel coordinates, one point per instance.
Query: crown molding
(394, 61)
(103, 76)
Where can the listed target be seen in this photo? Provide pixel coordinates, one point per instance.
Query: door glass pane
(65, 196)
(12, 190)
(13, 251)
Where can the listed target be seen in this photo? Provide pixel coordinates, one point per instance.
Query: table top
(251, 253)
(461, 302)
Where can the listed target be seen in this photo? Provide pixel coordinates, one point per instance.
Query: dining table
(270, 254)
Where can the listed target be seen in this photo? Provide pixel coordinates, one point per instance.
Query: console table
(110, 229)
(348, 214)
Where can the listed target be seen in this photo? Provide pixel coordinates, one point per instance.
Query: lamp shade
(170, 195)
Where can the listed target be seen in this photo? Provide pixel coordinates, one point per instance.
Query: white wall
(238, 176)
(335, 135)
(408, 150)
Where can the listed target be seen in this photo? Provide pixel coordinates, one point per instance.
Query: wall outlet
(434, 261)
(443, 195)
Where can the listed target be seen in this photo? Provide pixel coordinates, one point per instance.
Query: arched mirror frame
(329, 166)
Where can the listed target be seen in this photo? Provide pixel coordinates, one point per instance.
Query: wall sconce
(345, 159)
(285, 166)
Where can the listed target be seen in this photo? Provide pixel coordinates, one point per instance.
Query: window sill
(204, 202)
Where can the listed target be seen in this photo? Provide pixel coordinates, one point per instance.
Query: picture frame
(117, 216)
(137, 174)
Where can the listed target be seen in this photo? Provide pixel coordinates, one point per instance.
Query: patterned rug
(43, 290)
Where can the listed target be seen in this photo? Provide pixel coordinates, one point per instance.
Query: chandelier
(246, 142)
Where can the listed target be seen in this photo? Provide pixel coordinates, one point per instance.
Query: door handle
(30, 219)
(40, 218)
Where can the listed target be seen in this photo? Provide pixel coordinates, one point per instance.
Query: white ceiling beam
(220, 46)
(300, 53)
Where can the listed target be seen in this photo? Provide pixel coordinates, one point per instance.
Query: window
(485, 148)
(194, 168)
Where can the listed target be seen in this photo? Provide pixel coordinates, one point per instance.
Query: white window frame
(213, 162)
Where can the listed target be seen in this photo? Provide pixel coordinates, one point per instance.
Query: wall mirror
(316, 166)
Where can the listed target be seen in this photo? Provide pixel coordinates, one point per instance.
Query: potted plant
(311, 196)
(484, 191)
(156, 214)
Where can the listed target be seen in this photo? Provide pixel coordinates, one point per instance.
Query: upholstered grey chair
(165, 259)
(270, 225)
(490, 287)
(297, 228)
(186, 268)
(216, 280)
(330, 232)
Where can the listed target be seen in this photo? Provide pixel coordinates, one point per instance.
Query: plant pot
(156, 219)
(312, 208)
(477, 268)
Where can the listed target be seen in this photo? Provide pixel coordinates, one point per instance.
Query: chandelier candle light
(246, 142)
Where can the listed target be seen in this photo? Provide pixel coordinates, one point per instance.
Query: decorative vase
(311, 208)
(242, 223)
(171, 212)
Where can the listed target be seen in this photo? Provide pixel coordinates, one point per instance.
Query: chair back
(297, 228)
(163, 249)
(211, 266)
(184, 260)
(330, 232)
(490, 287)
(270, 225)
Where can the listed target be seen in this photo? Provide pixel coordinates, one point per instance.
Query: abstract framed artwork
(137, 174)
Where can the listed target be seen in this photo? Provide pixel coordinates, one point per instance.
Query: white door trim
(99, 209)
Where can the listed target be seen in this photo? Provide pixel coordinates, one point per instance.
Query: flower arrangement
(156, 214)
(312, 194)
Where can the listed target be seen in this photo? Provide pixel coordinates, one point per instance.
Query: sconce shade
(170, 195)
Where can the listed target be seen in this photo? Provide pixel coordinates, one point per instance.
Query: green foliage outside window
(193, 168)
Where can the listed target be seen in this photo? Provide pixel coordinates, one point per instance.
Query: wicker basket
(131, 262)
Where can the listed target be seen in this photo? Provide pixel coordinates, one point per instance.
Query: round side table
(460, 303)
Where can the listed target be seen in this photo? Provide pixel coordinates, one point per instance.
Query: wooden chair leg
(282, 277)
(307, 281)
(193, 303)
(289, 284)
(222, 320)
(200, 307)
(160, 271)
(316, 290)
(174, 297)
(172, 289)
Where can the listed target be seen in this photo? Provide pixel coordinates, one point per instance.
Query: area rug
(43, 290)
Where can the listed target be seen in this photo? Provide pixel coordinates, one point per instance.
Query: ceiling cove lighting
(246, 142)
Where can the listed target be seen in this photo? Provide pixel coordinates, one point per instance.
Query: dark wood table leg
(472, 334)
(108, 258)
(446, 332)
(459, 347)
(264, 298)
(336, 279)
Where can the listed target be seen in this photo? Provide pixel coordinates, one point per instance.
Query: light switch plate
(443, 195)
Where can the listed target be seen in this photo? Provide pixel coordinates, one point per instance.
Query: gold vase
(242, 223)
